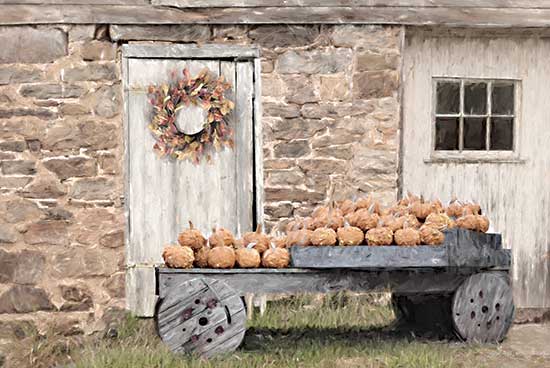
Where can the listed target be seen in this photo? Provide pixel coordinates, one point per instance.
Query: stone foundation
(331, 119)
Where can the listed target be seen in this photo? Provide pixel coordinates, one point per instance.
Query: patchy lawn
(340, 331)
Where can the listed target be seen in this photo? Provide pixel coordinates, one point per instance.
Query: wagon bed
(464, 281)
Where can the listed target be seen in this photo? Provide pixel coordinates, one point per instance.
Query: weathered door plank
(140, 290)
(243, 134)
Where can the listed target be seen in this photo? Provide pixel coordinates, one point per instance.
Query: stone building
(338, 99)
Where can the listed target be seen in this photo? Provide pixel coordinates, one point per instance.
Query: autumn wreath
(206, 91)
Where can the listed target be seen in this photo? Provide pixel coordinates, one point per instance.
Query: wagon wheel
(201, 316)
(483, 308)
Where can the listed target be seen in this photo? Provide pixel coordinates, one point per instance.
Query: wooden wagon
(464, 281)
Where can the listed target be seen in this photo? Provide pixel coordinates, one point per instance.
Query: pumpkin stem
(296, 225)
(259, 229)
(191, 225)
(371, 208)
(330, 209)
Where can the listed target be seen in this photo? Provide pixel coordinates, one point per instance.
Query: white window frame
(486, 155)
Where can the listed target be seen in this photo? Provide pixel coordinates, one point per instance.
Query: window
(474, 114)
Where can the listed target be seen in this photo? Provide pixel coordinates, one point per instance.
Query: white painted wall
(515, 191)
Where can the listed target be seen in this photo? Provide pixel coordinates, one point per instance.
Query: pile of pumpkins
(223, 250)
(409, 222)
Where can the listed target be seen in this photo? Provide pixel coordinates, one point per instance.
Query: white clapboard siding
(164, 194)
(515, 192)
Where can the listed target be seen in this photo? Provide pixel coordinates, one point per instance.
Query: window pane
(446, 134)
(475, 98)
(475, 130)
(502, 134)
(503, 99)
(448, 98)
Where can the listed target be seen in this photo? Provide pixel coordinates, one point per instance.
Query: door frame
(141, 300)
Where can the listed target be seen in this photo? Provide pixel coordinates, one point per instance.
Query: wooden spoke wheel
(201, 316)
(483, 307)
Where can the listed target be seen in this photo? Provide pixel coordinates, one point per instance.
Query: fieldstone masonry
(330, 120)
(331, 114)
(61, 188)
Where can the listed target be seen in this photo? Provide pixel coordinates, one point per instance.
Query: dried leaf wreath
(206, 91)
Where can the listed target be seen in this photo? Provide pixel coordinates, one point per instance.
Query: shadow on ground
(265, 339)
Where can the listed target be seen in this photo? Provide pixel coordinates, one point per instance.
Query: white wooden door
(513, 187)
(163, 194)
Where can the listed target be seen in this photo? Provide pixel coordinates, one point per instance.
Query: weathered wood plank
(235, 323)
(214, 271)
(244, 88)
(177, 332)
(172, 306)
(77, 2)
(438, 32)
(473, 249)
(140, 286)
(258, 145)
(231, 157)
(206, 186)
(130, 293)
(176, 51)
(369, 257)
(530, 4)
(441, 159)
(147, 170)
(115, 14)
(202, 316)
(462, 248)
(227, 345)
(322, 281)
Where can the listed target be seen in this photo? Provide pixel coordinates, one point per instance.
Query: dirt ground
(527, 346)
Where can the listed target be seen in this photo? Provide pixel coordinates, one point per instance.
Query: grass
(342, 331)
(338, 331)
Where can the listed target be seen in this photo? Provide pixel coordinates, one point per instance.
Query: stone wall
(330, 108)
(61, 187)
(331, 115)
(331, 118)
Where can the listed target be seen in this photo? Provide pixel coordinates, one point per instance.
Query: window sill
(475, 158)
